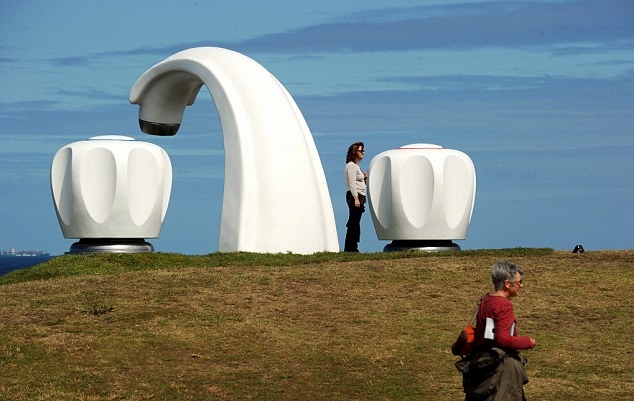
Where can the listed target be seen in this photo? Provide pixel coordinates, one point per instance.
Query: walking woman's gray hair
(502, 271)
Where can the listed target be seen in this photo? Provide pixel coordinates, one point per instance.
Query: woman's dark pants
(353, 233)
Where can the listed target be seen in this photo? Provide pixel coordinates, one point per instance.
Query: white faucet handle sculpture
(421, 196)
(111, 192)
(275, 193)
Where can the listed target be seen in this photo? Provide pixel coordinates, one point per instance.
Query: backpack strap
(472, 323)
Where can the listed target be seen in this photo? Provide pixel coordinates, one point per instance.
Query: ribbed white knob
(111, 187)
(421, 191)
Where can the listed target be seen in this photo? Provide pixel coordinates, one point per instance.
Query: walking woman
(494, 370)
(355, 195)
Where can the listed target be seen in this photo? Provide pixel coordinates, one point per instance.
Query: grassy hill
(289, 327)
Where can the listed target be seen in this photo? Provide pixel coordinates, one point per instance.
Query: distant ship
(14, 259)
(10, 253)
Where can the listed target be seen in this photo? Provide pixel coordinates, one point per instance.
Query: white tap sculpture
(275, 193)
(111, 192)
(421, 196)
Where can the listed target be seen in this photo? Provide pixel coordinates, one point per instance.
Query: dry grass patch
(365, 328)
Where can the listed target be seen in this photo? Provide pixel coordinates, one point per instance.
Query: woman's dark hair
(351, 156)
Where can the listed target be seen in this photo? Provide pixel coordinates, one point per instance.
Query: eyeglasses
(520, 282)
(361, 151)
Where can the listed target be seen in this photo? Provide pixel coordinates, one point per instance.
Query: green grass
(71, 265)
(329, 326)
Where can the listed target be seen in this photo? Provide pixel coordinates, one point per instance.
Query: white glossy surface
(111, 187)
(421, 192)
(275, 193)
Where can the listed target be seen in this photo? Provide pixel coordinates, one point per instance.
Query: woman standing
(355, 195)
(496, 335)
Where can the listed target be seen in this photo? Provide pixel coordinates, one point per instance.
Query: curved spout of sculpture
(275, 193)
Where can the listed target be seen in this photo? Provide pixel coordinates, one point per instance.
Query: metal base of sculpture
(110, 245)
(421, 245)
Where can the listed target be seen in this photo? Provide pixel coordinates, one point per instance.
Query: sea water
(10, 263)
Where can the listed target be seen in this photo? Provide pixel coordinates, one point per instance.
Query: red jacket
(499, 309)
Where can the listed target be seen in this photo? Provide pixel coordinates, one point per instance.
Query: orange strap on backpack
(463, 343)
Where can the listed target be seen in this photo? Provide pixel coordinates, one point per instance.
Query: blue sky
(540, 95)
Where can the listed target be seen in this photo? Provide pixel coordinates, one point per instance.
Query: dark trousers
(353, 233)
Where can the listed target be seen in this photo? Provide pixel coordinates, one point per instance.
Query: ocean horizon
(11, 263)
